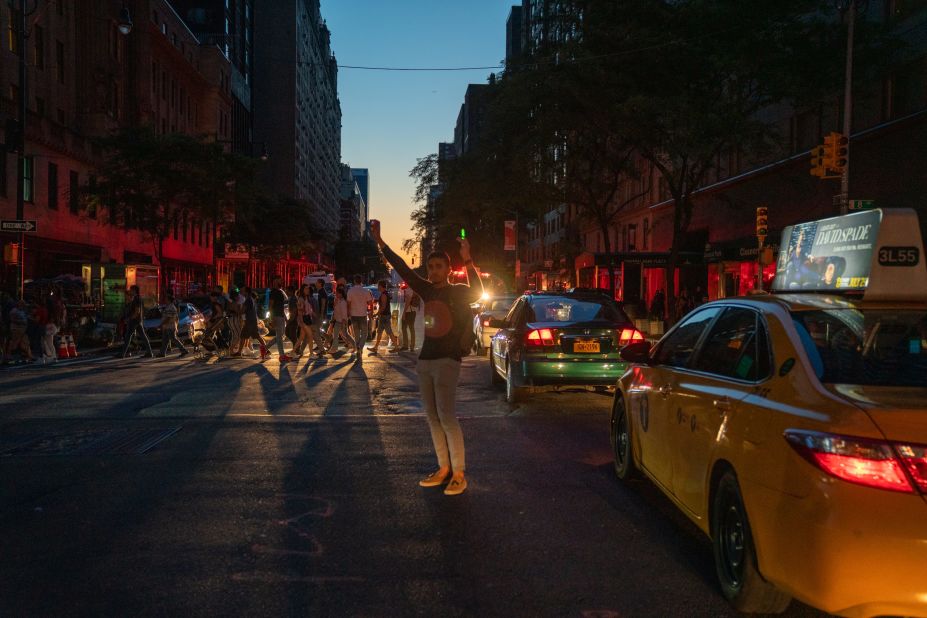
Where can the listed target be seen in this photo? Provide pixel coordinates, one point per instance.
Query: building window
(3, 166)
(74, 192)
(115, 102)
(208, 234)
(646, 235)
(53, 186)
(632, 237)
(164, 85)
(12, 41)
(28, 179)
(38, 52)
(59, 61)
(183, 227)
(92, 185)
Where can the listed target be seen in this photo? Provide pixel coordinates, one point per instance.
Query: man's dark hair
(358, 279)
(439, 255)
(383, 284)
(321, 281)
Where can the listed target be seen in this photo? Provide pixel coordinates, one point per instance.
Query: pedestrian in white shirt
(359, 300)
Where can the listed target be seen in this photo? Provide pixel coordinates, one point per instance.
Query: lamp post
(19, 142)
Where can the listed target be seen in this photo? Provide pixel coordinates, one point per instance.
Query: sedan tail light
(862, 461)
(540, 337)
(629, 335)
(914, 458)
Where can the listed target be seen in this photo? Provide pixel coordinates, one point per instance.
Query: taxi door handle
(723, 404)
(665, 390)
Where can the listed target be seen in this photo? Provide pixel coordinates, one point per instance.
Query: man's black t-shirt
(277, 303)
(383, 304)
(447, 310)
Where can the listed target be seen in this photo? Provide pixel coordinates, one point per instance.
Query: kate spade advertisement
(828, 254)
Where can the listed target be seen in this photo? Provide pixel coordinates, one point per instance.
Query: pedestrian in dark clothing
(135, 323)
(658, 306)
(170, 320)
(278, 303)
(447, 318)
(250, 329)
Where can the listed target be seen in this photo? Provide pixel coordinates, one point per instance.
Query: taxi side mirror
(496, 323)
(638, 353)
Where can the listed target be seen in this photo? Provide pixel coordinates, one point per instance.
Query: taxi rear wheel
(620, 434)
(735, 555)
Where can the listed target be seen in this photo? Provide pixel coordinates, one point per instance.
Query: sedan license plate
(586, 345)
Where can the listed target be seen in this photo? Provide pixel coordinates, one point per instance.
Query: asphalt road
(167, 487)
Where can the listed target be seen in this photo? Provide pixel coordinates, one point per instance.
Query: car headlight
(485, 296)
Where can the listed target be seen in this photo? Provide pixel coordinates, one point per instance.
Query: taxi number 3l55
(899, 256)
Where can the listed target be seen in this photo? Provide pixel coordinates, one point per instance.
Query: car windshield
(567, 309)
(867, 347)
(500, 304)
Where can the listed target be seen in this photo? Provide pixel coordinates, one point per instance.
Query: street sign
(855, 205)
(15, 225)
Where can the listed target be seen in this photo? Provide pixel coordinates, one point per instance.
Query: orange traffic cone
(72, 347)
(62, 347)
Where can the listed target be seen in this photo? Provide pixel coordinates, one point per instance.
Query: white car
(495, 308)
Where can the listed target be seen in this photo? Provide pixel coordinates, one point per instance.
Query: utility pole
(21, 140)
(848, 106)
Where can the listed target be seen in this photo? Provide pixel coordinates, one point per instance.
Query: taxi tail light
(856, 460)
(539, 337)
(914, 458)
(629, 335)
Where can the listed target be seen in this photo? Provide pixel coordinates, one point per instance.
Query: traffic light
(841, 152)
(817, 162)
(762, 225)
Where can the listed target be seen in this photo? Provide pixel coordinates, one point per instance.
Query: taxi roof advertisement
(830, 254)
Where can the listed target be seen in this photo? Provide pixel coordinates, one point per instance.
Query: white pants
(438, 384)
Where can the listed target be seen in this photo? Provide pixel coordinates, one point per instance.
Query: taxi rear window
(875, 347)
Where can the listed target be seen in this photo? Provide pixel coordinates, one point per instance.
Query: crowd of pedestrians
(28, 329)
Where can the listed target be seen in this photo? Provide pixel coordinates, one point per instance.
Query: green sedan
(567, 338)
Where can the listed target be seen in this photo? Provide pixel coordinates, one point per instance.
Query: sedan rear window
(567, 309)
(867, 347)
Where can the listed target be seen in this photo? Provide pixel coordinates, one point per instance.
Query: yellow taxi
(792, 427)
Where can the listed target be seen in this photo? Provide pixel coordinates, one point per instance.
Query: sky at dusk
(391, 118)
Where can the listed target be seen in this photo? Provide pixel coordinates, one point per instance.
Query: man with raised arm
(447, 318)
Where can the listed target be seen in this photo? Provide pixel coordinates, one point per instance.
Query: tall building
(471, 117)
(362, 177)
(296, 109)
(229, 25)
(84, 80)
(514, 35)
(353, 207)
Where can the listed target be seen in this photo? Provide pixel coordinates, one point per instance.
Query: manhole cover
(85, 442)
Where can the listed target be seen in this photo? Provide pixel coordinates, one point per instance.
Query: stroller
(215, 340)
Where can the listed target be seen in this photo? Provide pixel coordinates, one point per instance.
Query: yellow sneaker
(435, 479)
(457, 485)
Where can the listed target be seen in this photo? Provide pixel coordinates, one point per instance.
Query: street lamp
(19, 142)
(125, 20)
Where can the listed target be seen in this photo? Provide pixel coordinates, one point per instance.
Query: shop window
(53, 186)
